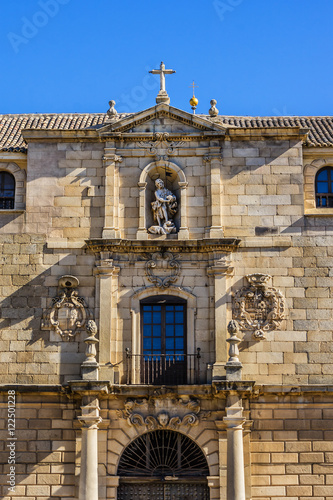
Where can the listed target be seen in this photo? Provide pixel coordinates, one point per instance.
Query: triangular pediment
(162, 118)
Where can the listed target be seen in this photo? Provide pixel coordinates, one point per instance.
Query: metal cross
(193, 85)
(162, 72)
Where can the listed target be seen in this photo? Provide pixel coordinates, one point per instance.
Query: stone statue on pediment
(164, 208)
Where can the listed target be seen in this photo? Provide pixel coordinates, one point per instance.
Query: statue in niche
(164, 208)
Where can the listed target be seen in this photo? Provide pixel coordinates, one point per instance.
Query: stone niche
(174, 180)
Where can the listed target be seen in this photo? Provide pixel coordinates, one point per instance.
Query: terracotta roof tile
(321, 127)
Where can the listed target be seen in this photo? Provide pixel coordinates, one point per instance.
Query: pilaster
(107, 286)
(183, 233)
(220, 271)
(111, 219)
(214, 162)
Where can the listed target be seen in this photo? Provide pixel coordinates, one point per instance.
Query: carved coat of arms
(258, 307)
(68, 312)
(162, 269)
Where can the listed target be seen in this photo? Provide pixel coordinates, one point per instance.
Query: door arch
(163, 464)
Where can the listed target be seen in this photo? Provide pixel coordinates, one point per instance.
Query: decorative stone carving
(233, 366)
(213, 111)
(166, 265)
(164, 208)
(162, 147)
(162, 419)
(258, 307)
(68, 313)
(112, 112)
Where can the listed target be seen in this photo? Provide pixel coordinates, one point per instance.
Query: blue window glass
(324, 187)
(7, 191)
(163, 329)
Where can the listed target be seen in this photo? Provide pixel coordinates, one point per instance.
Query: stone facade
(249, 244)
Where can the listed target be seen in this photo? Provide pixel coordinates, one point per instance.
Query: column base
(216, 232)
(183, 234)
(111, 233)
(218, 372)
(142, 234)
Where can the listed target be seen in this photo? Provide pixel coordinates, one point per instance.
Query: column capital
(106, 267)
(89, 421)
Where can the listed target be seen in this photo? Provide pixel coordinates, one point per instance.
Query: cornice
(143, 246)
(262, 133)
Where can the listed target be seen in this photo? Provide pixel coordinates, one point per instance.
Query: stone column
(88, 488)
(111, 161)
(233, 422)
(183, 233)
(107, 275)
(220, 271)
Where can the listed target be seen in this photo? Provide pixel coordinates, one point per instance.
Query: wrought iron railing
(324, 200)
(6, 203)
(163, 369)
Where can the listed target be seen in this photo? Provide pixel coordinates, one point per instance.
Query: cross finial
(162, 96)
(193, 85)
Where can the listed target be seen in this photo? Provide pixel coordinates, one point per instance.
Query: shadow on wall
(29, 354)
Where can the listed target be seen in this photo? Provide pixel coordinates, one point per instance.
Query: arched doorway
(163, 465)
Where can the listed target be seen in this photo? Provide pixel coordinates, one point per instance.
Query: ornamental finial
(194, 101)
(213, 111)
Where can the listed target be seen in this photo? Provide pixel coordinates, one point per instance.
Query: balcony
(163, 369)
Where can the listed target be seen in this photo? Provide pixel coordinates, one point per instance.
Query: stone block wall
(291, 443)
(44, 448)
(28, 283)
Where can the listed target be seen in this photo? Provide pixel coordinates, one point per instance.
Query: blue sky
(255, 57)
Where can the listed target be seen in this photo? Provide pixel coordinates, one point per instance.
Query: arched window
(324, 187)
(7, 191)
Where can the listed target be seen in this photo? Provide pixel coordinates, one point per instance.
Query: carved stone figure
(164, 208)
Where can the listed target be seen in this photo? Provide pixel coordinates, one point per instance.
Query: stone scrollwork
(162, 269)
(258, 307)
(68, 312)
(162, 146)
(162, 419)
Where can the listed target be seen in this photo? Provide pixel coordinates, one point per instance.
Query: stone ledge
(32, 388)
(184, 246)
(293, 390)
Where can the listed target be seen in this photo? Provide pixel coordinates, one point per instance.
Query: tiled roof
(321, 127)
